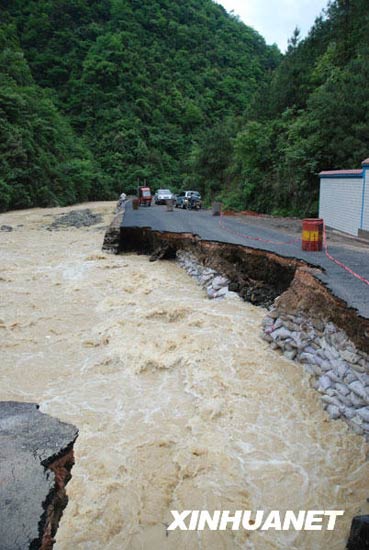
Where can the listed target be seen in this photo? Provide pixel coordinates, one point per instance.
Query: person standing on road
(121, 201)
(192, 200)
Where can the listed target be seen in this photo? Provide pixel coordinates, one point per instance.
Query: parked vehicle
(163, 195)
(144, 196)
(189, 199)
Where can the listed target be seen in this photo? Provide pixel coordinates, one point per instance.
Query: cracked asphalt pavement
(257, 234)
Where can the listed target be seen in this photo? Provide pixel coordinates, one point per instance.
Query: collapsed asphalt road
(343, 285)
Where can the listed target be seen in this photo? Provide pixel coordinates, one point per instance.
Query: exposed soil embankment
(307, 294)
(112, 234)
(58, 500)
(258, 276)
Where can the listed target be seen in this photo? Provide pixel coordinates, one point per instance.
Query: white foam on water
(179, 403)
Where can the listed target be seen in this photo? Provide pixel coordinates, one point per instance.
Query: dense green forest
(311, 115)
(99, 95)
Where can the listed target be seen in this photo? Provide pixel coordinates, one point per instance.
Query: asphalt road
(28, 438)
(232, 230)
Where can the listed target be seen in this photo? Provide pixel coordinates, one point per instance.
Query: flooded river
(179, 403)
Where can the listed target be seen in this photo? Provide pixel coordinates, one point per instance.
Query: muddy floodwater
(179, 403)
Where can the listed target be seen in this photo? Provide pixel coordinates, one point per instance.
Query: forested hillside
(313, 114)
(42, 162)
(131, 87)
(98, 95)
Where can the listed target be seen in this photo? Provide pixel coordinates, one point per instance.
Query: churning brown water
(179, 403)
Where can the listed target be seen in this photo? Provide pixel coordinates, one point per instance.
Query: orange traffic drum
(312, 234)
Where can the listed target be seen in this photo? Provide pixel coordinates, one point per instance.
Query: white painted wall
(366, 202)
(340, 203)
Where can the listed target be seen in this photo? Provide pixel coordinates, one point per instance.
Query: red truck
(144, 196)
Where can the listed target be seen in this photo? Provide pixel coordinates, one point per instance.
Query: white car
(163, 195)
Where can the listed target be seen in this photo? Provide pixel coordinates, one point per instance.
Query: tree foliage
(42, 162)
(129, 85)
(313, 115)
(98, 95)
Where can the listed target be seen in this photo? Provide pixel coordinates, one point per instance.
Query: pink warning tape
(245, 236)
(337, 262)
(294, 241)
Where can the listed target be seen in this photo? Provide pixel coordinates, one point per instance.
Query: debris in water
(75, 218)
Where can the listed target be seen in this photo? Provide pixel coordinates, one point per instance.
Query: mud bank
(36, 461)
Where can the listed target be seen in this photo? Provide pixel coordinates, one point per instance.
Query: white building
(344, 200)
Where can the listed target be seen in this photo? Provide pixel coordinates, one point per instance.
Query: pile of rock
(340, 372)
(215, 284)
(75, 218)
